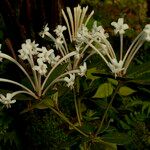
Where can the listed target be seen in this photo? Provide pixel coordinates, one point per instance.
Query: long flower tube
(59, 78)
(57, 64)
(102, 46)
(22, 86)
(2, 55)
(75, 21)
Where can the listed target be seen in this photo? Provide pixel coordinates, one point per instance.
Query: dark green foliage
(8, 134)
(43, 130)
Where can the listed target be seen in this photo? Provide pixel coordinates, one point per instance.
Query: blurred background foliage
(35, 130)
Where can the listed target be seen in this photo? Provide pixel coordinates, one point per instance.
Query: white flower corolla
(103, 49)
(70, 81)
(147, 32)
(82, 34)
(120, 26)
(83, 69)
(58, 42)
(41, 68)
(115, 66)
(24, 53)
(53, 59)
(77, 51)
(7, 100)
(28, 48)
(59, 30)
(45, 31)
(45, 54)
(98, 32)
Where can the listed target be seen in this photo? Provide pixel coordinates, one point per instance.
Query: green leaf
(89, 73)
(116, 137)
(104, 90)
(112, 81)
(51, 101)
(124, 125)
(125, 91)
(100, 146)
(46, 102)
(140, 74)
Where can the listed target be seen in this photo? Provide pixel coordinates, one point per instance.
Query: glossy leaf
(104, 90)
(125, 91)
(118, 138)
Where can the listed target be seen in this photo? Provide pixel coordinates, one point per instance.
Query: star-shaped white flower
(41, 68)
(98, 31)
(59, 30)
(58, 42)
(115, 66)
(7, 100)
(53, 59)
(83, 69)
(120, 26)
(45, 54)
(28, 48)
(70, 81)
(45, 31)
(147, 32)
(82, 34)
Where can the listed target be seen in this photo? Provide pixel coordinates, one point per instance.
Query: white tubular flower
(82, 34)
(41, 68)
(115, 66)
(53, 59)
(70, 81)
(147, 32)
(103, 49)
(45, 31)
(58, 42)
(7, 100)
(28, 48)
(120, 26)
(83, 69)
(98, 32)
(24, 53)
(77, 56)
(59, 30)
(45, 54)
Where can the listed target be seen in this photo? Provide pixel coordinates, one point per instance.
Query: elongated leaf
(125, 91)
(104, 90)
(118, 138)
(100, 146)
(140, 74)
(112, 81)
(89, 73)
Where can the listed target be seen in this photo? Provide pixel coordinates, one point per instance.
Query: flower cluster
(30, 49)
(97, 40)
(44, 62)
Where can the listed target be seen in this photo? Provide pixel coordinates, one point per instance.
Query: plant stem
(76, 107)
(110, 103)
(121, 46)
(62, 116)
